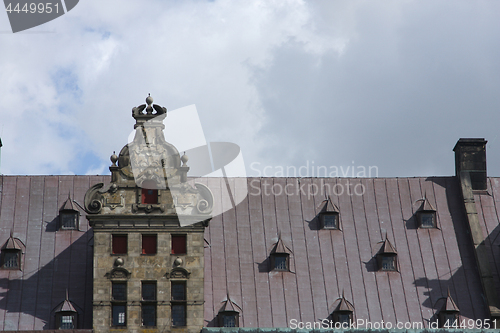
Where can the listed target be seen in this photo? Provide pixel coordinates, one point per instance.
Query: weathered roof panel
(324, 264)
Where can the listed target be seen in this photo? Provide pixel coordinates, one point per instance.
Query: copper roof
(426, 206)
(387, 247)
(12, 244)
(229, 305)
(341, 304)
(325, 261)
(450, 305)
(54, 261)
(280, 247)
(68, 205)
(329, 261)
(329, 207)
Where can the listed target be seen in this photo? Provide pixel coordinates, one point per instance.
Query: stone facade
(148, 228)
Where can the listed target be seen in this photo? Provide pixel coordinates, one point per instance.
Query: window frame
(62, 314)
(323, 218)
(113, 244)
(338, 315)
(147, 302)
(18, 254)
(420, 216)
(444, 315)
(274, 262)
(76, 218)
(388, 256)
(178, 303)
(143, 248)
(227, 314)
(116, 284)
(115, 305)
(173, 247)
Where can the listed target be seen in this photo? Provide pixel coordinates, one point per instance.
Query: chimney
(470, 157)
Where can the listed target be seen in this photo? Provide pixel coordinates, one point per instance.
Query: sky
(317, 85)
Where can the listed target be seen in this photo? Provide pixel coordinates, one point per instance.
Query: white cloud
(286, 80)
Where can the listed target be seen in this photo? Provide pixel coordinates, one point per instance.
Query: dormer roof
(450, 305)
(329, 207)
(280, 247)
(426, 206)
(387, 248)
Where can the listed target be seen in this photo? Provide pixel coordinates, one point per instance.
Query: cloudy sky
(391, 84)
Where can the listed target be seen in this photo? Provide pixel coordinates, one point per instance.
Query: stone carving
(118, 273)
(178, 273)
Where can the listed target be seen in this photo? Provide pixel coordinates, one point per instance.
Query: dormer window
(342, 313)
(11, 259)
(387, 257)
(426, 215)
(280, 257)
(329, 215)
(449, 315)
(68, 215)
(66, 315)
(229, 315)
(280, 261)
(11, 253)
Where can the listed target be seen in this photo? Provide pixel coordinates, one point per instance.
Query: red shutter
(148, 244)
(179, 244)
(119, 244)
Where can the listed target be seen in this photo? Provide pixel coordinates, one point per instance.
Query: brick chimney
(470, 157)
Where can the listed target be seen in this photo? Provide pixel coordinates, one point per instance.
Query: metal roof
(325, 262)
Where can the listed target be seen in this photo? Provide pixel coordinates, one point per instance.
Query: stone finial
(149, 99)
(114, 158)
(184, 159)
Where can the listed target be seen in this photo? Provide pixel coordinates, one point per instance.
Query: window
(343, 318)
(119, 305)
(149, 291)
(449, 315)
(67, 322)
(178, 293)
(119, 291)
(329, 215)
(119, 243)
(449, 320)
(228, 319)
(330, 220)
(280, 262)
(280, 256)
(178, 244)
(148, 244)
(148, 305)
(388, 263)
(426, 215)
(11, 253)
(148, 315)
(178, 315)
(11, 259)
(427, 219)
(69, 220)
(149, 195)
(119, 315)
(387, 257)
(68, 215)
(343, 312)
